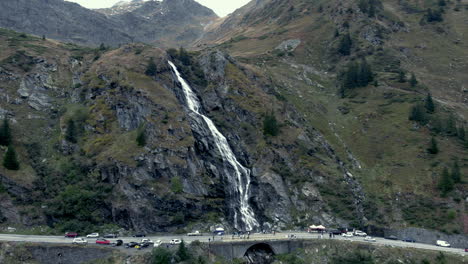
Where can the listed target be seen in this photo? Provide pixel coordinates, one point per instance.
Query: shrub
(161, 256)
(5, 133)
(151, 68)
(270, 125)
(10, 161)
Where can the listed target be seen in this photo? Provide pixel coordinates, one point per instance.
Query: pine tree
(461, 133)
(151, 68)
(365, 75)
(70, 134)
(433, 148)
(429, 104)
(184, 57)
(418, 114)
(270, 125)
(401, 76)
(5, 133)
(10, 160)
(445, 183)
(345, 45)
(413, 80)
(182, 252)
(456, 174)
(141, 137)
(451, 128)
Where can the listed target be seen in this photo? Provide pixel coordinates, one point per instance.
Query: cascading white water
(240, 179)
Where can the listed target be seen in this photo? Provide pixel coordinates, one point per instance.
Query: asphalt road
(228, 238)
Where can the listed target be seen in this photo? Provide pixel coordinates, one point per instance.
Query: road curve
(229, 238)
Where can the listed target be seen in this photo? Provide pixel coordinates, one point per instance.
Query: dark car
(466, 249)
(71, 234)
(117, 243)
(131, 244)
(391, 237)
(139, 235)
(144, 245)
(409, 239)
(110, 236)
(334, 231)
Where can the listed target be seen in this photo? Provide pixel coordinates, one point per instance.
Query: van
(442, 243)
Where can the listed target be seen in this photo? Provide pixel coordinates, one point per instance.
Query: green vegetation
(345, 45)
(356, 75)
(418, 114)
(141, 136)
(176, 185)
(413, 80)
(151, 68)
(182, 252)
(270, 125)
(433, 146)
(5, 133)
(456, 174)
(161, 255)
(71, 133)
(10, 161)
(429, 104)
(446, 182)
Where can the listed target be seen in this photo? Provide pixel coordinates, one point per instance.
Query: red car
(466, 249)
(71, 234)
(103, 241)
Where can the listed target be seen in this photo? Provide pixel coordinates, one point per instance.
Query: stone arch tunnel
(232, 250)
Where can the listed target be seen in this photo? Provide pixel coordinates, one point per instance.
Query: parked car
(409, 239)
(348, 234)
(442, 243)
(334, 231)
(157, 243)
(175, 242)
(103, 241)
(132, 245)
(139, 235)
(79, 241)
(111, 236)
(117, 243)
(369, 239)
(93, 235)
(195, 233)
(144, 245)
(146, 240)
(71, 234)
(391, 237)
(360, 233)
(466, 249)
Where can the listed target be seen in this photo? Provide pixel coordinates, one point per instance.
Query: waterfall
(238, 176)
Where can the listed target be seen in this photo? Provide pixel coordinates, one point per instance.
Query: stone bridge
(232, 250)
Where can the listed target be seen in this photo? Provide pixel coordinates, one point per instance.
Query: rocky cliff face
(169, 22)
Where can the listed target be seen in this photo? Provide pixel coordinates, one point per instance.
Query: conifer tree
(5, 133)
(141, 137)
(182, 252)
(450, 127)
(456, 174)
(461, 133)
(401, 76)
(151, 68)
(433, 148)
(71, 134)
(345, 45)
(365, 75)
(10, 160)
(184, 56)
(418, 114)
(429, 104)
(270, 125)
(413, 80)
(446, 182)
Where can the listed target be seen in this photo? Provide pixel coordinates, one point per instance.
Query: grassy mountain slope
(369, 128)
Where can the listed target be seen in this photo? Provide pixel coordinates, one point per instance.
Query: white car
(196, 233)
(348, 234)
(157, 243)
(360, 233)
(93, 235)
(79, 241)
(175, 242)
(147, 240)
(442, 243)
(369, 239)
